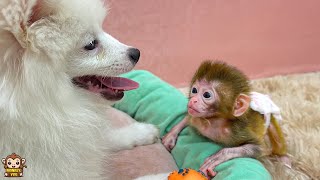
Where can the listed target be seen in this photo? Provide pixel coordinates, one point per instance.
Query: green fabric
(159, 103)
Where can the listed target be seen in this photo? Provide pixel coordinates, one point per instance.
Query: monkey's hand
(170, 139)
(212, 161)
(225, 154)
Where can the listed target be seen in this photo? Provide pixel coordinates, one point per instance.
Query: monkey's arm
(169, 140)
(225, 154)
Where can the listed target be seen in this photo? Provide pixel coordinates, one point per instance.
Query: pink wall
(262, 37)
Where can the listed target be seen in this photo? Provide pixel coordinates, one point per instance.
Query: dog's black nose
(134, 55)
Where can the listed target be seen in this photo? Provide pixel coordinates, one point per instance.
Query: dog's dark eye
(91, 46)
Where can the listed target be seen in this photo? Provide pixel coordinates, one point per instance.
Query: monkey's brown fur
(248, 128)
(234, 82)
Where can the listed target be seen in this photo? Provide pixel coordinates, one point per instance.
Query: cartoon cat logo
(13, 165)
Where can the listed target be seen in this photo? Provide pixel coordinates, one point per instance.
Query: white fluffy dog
(51, 53)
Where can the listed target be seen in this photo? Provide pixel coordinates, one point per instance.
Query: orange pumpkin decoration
(187, 174)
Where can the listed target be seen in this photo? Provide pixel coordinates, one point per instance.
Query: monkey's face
(203, 99)
(13, 163)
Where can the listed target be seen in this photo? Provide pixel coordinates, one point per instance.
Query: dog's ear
(36, 9)
(41, 9)
(17, 16)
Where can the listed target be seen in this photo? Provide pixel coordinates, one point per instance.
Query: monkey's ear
(241, 105)
(3, 161)
(23, 160)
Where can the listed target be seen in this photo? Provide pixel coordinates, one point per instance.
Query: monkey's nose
(134, 55)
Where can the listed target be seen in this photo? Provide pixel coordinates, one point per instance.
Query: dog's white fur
(62, 131)
(162, 176)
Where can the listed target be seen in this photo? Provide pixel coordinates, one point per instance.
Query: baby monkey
(219, 108)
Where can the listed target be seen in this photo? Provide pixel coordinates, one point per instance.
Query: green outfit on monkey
(159, 103)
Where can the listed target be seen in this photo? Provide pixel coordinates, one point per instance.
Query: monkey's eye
(194, 90)
(17, 163)
(9, 163)
(91, 46)
(207, 95)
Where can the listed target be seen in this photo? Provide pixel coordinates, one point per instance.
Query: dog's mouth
(111, 88)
